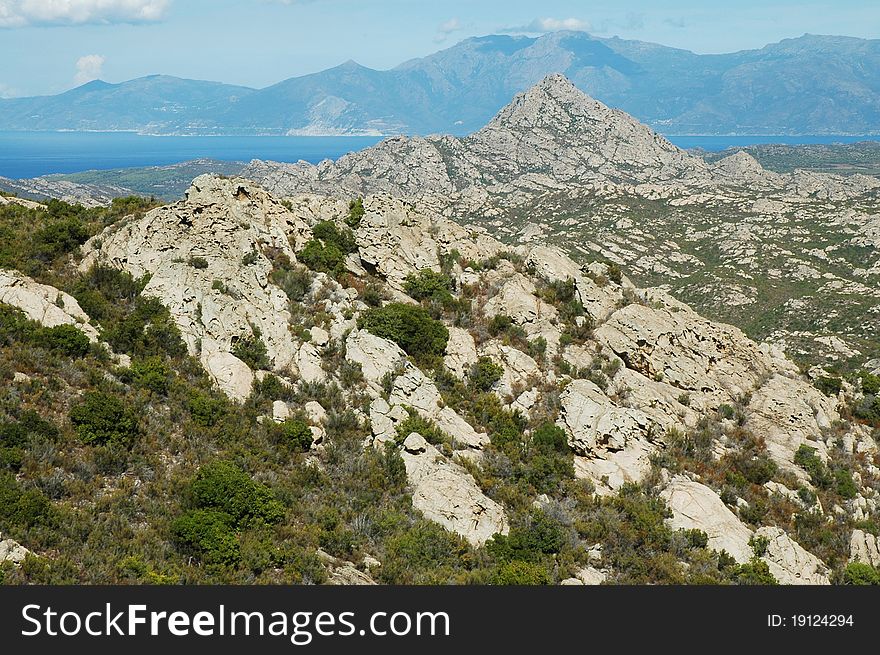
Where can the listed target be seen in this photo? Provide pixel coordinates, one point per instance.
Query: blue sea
(30, 154)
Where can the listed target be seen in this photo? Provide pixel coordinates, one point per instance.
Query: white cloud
(447, 28)
(545, 25)
(21, 13)
(88, 68)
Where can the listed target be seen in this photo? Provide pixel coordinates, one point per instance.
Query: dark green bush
(830, 386)
(65, 339)
(206, 409)
(295, 434)
(153, 374)
(147, 330)
(225, 487)
(806, 458)
(430, 286)
(844, 484)
(755, 572)
(870, 383)
(410, 327)
(198, 262)
(759, 469)
(428, 429)
(540, 536)
(857, 573)
(327, 250)
(521, 574)
(485, 374)
(550, 436)
(14, 437)
(252, 351)
(356, 212)
(22, 508)
(209, 535)
(102, 418)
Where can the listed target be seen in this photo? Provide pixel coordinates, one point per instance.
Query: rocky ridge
(663, 367)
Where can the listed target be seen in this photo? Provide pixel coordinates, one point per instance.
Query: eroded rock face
(696, 507)
(397, 240)
(789, 413)
(414, 389)
(221, 222)
(447, 494)
(864, 548)
(376, 356)
(611, 443)
(461, 352)
(685, 350)
(789, 563)
(43, 303)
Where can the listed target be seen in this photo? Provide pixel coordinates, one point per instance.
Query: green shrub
(327, 250)
(198, 262)
(410, 327)
(428, 429)
(252, 351)
(830, 386)
(205, 409)
(295, 434)
(14, 437)
(147, 330)
(857, 573)
(551, 437)
(759, 470)
(209, 535)
(844, 484)
(65, 339)
(485, 374)
(540, 536)
(870, 383)
(521, 574)
(806, 458)
(755, 572)
(614, 273)
(430, 286)
(295, 282)
(500, 324)
(153, 374)
(102, 418)
(225, 487)
(356, 213)
(23, 508)
(323, 258)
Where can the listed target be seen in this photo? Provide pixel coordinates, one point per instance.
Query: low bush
(428, 285)
(485, 374)
(65, 339)
(225, 487)
(857, 573)
(103, 418)
(208, 534)
(412, 328)
(252, 351)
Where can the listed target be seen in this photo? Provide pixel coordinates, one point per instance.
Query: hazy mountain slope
(808, 85)
(157, 104)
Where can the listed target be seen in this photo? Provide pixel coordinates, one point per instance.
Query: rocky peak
(555, 103)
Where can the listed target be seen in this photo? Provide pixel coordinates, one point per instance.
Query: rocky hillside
(784, 256)
(238, 387)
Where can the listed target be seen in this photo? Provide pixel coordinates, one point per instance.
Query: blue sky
(48, 46)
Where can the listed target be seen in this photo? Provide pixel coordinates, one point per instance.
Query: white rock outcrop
(44, 304)
(447, 494)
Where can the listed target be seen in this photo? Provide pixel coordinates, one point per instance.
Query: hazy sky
(48, 46)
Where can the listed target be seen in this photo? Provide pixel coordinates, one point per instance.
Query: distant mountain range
(808, 85)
